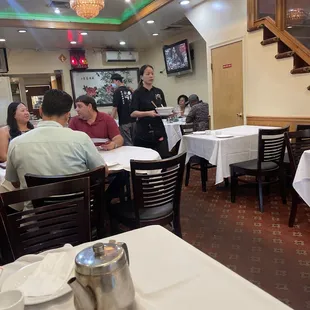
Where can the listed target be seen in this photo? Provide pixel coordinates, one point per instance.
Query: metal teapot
(102, 278)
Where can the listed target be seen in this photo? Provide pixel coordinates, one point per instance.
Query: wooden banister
(277, 27)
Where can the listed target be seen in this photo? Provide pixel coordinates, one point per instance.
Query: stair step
(301, 70)
(284, 55)
(255, 28)
(270, 41)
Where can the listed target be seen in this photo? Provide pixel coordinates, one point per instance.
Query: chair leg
(233, 185)
(260, 194)
(177, 227)
(226, 181)
(267, 180)
(282, 180)
(187, 174)
(293, 212)
(203, 168)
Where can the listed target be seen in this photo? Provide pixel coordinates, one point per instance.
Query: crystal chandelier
(87, 8)
(297, 16)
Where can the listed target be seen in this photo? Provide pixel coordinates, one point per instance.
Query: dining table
(168, 273)
(223, 147)
(173, 131)
(301, 182)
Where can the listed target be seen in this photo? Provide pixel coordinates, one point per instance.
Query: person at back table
(199, 113)
(96, 124)
(121, 105)
(17, 124)
(51, 149)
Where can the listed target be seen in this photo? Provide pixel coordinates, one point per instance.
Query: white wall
(192, 83)
(270, 89)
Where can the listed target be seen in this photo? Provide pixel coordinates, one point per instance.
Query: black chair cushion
(252, 165)
(126, 210)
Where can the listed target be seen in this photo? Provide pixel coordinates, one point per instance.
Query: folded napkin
(50, 275)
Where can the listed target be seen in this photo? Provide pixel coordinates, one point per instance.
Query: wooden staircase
(274, 33)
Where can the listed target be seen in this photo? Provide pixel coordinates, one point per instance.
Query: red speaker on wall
(78, 59)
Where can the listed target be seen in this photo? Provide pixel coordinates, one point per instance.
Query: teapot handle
(124, 246)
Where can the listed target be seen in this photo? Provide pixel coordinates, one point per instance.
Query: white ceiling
(138, 36)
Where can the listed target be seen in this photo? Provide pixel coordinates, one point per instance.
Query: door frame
(210, 74)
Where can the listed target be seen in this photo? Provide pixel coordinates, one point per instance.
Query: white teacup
(12, 300)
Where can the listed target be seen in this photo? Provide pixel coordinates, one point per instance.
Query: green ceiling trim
(59, 18)
(9, 13)
(138, 6)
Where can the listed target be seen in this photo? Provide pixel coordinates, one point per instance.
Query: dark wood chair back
(51, 226)
(271, 146)
(97, 190)
(161, 185)
(302, 127)
(297, 142)
(187, 129)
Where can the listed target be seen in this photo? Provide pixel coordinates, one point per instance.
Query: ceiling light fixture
(122, 43)
(87, 8)
(150, 22)
(2, 40)
(84, 33)
(128, 1)
(57, 11)
(184, 2)
(155, 34)
(73, 42)
(22, 31)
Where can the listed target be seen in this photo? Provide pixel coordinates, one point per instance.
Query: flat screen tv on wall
(177, 58)
(3, 61)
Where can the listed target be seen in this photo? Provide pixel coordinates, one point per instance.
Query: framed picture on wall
(97, 83)
(3, 61)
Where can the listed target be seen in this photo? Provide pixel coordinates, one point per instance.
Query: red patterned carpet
(259, 247)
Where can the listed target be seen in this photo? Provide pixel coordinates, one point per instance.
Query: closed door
(227, 77)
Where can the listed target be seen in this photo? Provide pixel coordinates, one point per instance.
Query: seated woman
(183, 107)
(17, 124)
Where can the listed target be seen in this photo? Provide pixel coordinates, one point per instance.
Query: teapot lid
(101, 258)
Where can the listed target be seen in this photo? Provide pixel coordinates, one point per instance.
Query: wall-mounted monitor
(3, 61)
(177, 58)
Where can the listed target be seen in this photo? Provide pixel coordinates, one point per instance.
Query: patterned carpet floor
(258, 246)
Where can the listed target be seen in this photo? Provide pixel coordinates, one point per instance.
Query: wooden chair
(196, 162)
(269, 164)
(296, 142)
(156, 195)
(97, 194)
(51, 226)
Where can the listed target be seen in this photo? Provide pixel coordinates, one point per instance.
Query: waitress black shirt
(142, 101)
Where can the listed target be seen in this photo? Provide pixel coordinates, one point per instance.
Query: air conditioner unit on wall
(122, 56)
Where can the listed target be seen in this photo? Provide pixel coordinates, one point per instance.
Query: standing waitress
(150, 130)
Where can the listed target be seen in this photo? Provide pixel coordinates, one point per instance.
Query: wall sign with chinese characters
(97, 83)
(227, 66)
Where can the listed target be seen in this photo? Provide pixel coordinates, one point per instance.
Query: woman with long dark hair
(17, 123)
(150, 130)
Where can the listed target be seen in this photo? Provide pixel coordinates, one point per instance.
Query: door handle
(239, 114)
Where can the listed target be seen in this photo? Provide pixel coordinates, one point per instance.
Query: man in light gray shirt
(51, 149)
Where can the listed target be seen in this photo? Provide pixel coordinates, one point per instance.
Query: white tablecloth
(302, 178)
(173, 131)
(119, 159)
(223, 152)
(2, 175)
(170, 274)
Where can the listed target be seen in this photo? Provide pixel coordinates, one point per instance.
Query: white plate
(199, 132)
(97, 140)
(20, 276)
(224, 136)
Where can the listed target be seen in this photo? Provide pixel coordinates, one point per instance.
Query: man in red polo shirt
(96, 124)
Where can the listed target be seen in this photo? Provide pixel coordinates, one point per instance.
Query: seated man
(51, 149)
(199, 113)
(96, 124)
